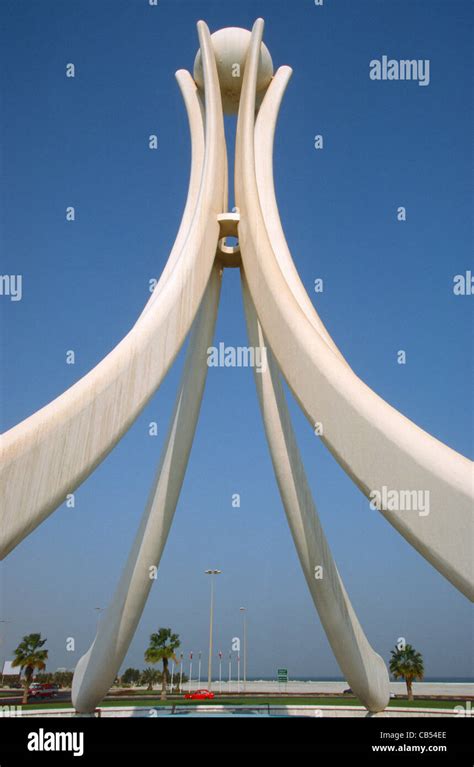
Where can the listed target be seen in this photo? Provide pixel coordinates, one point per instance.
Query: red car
(199, 695)
(44, 690)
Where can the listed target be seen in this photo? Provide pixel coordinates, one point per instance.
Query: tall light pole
(243, 610)
(211, 621)
(181, 672)
(172, 675)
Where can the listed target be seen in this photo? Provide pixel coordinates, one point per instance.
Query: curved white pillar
(50, 453)
(376, 445)
(53, 451)
(97, 669)
(363, 668)
(196, 121)
(265, 125)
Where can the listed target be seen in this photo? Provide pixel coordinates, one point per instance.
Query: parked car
(199, 695)
(45, 690)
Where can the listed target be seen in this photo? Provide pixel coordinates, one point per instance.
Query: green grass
(260, 701)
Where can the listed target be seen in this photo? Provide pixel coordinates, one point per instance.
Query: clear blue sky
(388, 286)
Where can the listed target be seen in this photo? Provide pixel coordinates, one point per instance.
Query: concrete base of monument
(229, 711)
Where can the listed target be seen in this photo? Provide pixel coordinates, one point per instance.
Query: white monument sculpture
(53, 451)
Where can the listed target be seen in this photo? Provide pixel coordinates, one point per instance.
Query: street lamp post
(243, 610)
(211, 621)
(181, 672)
(172, 675)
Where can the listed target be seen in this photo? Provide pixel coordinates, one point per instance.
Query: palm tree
(162, 648)
(149, 677)
(28, 656)
(407, 664)
(130, 676)
(62, 678)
